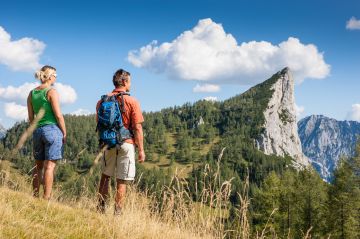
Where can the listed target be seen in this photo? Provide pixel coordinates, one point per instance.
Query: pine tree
(310, 193)
(266, 203)
(288, 203)
(343, 204)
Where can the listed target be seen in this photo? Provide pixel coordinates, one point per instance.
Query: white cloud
(211, 98)
(208, 53)
(354, 114)
(22, 54)
(67, 94)
(206, 88)
(15, 111)
(353, 24)
(299, 110)
(81, 112)
(19, 94)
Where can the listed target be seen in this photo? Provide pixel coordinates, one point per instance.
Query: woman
(50, 133)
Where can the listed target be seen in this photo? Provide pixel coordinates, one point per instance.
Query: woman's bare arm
(53, 97)
(30, 108)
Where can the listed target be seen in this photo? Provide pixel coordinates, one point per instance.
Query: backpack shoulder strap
(122, 104)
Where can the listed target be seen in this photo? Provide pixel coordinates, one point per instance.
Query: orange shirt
(132, 114)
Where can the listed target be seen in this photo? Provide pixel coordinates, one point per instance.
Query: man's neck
(120, 89)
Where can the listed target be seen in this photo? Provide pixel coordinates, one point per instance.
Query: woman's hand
(64, 139)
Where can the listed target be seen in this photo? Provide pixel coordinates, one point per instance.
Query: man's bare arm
(139, 141)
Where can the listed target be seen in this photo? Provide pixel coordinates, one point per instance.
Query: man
(120, 160)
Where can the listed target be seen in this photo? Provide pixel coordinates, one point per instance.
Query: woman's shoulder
(51, 90)
(51, 93)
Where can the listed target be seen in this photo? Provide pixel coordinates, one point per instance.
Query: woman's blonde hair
(45, 73)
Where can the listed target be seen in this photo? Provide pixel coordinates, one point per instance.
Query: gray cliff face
(325, 141)
(281, 134)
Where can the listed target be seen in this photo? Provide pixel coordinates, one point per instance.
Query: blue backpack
(110, 126)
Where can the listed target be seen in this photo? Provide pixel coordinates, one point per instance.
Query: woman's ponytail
(44, 73)
(38, 75)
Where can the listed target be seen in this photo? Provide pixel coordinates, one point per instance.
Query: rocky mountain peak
(326, 140)
(280, 136)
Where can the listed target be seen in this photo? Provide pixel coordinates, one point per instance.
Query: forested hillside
(187, 141)
(183, 137)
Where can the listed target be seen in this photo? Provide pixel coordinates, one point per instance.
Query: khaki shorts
(120, 162)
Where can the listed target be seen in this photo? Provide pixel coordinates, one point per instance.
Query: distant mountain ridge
(325, 141)
(2, 131)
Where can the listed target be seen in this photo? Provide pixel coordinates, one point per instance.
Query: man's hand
(141, 155)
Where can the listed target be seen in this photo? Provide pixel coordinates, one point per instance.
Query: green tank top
(39, 100)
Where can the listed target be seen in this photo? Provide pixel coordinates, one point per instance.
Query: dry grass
(10, 178)
(22, 216)
(177, 215)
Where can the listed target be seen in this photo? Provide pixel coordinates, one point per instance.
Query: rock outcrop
(2, 131)
(325, 141)
(280, 136)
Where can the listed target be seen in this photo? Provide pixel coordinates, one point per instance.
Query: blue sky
(87, 42)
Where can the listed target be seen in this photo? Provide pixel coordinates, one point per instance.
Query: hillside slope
(22, 216)
(187, 137)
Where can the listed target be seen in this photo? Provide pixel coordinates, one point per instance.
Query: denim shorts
(47, 142)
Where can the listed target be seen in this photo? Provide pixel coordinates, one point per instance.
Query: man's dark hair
(119, 76)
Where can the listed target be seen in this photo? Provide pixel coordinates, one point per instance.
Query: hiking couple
(118, 138)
